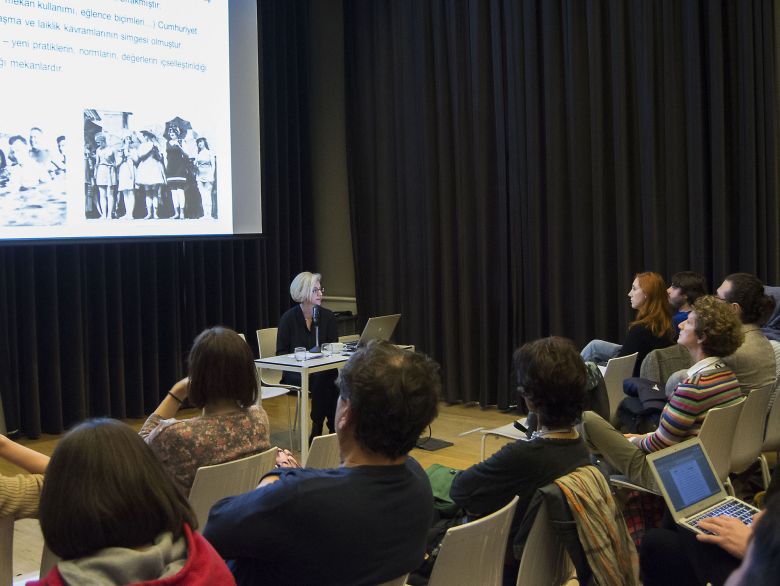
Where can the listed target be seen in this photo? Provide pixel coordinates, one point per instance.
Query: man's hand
(731, 534)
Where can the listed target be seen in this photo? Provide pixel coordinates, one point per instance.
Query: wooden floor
(450, 424)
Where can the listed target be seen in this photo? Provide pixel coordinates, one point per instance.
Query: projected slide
(115, 118)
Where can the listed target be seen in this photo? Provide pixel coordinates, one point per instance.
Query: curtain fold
(96, 329)
(513, 163)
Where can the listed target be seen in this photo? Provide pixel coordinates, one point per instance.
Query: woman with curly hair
(652, 328)
(711, 331)
(551, 377)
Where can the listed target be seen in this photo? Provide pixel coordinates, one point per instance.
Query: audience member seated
(686, 287)
(223, 383)
(674, 556)
(19, 494)
(651, 329)
(551, 376)
(712, 330)
(363, 523)
(754, 361)
(771, 328)
(113, 516)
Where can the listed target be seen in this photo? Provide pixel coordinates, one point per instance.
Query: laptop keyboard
(730, 509)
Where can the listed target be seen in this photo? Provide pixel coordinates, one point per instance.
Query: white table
(288, 363)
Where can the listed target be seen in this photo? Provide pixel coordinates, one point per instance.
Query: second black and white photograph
(147, 169)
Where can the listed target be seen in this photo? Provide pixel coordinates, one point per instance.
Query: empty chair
(270, 380)
(213, 483)
(616, 371)
(508, 431)
(324, 452)
(749, 434)
(474, 553)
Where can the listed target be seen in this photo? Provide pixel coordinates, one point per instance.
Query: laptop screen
(687, 476)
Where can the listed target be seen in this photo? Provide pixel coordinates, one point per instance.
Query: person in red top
(113, 516)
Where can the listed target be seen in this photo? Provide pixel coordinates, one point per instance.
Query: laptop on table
(377, 328)
(692, 489)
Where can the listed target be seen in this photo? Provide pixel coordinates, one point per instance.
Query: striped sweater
(683, 415)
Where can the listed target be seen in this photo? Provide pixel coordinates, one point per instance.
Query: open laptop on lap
(691, 488)
(377, 328)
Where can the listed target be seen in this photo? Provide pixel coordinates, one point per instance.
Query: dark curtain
(513, 163)
(103, 329)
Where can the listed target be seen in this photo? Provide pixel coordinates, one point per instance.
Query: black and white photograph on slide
(152, 170)
(32, 177)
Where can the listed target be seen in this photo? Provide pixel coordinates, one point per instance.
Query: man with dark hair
(754, 361)
(363, 523)
(685, 288)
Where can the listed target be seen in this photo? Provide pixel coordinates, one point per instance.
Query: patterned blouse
(185, 445)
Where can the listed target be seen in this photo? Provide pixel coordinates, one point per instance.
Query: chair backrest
(544, 560)
(772, 432)
(717, 436)
(6, 550)
(231, 478)
(662, 363)
(48, 560)
(749, 434)
(266, 343)
(474, 553)
(324, 452)
(618, 370)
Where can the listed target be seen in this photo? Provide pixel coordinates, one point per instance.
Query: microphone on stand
(315, 321)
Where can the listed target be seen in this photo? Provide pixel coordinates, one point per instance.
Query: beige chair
(324, 452)
(749, 433)
(270, 380)
(508, 431)
(772, 431)
(213, 483)
(544, 560)
(616, 371)
(349, 338)
(717, 436)
(474, 553)
(48, 559)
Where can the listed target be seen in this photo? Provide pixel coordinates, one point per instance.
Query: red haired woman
(651, 329)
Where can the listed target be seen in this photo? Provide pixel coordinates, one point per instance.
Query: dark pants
(672, 556)
(324, 395)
